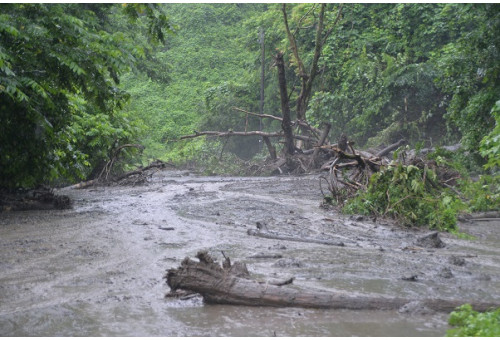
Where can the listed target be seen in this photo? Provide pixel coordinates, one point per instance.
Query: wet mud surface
(96, 270)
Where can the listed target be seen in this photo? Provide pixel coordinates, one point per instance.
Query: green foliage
(59, 101)
(410, 195)
(490, 144)
(469, 69)
(483, 194)
(469, 322)
(423, 72)
(208, 73)
(214, 161)
(378, 75)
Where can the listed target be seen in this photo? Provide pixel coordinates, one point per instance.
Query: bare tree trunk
(307, 78)
(270, 148)
(322, 139)
(285, 106)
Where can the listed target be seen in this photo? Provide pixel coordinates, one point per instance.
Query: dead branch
(153, 165)
(242, 133)
(293, 122)
(109, 165)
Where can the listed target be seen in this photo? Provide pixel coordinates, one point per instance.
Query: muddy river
(97, 269)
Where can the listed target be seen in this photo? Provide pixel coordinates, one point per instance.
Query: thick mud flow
(96, 270)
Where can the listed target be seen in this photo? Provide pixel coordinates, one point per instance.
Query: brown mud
(96, 270)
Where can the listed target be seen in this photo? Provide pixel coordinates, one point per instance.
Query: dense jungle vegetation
(79, 80)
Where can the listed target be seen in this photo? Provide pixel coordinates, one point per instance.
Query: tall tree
(59, 69)
(307, 77)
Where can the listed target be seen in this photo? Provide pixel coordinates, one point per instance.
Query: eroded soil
(96, 270)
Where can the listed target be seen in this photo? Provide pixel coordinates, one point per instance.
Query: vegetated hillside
(209, 69)
(78, 81)
(424, 72)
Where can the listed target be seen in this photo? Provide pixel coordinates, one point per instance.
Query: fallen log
(242, 133)
(231, 284)
(391, 147)
(82, 185)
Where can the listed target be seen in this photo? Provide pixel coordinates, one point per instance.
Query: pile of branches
(138, 176)
(349, 171)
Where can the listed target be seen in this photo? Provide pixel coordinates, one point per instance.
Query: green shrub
(410, 195)
(472, 323)
(490, 144)
(483, 194)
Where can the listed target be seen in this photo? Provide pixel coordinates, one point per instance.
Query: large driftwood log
(231, 284)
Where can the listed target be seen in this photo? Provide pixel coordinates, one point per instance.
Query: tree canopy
(78, 80)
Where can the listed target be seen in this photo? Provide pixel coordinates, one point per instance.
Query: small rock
(411, 277)
(431, 240)
(484, 277)
(261, 225)
(358, 218)
(446, 273)
(286, 263)
(456, 260)
(415, 308)
(277, 246)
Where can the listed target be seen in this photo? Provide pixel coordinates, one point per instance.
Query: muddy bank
(97, 269)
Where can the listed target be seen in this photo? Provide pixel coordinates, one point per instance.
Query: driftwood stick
(274, 236)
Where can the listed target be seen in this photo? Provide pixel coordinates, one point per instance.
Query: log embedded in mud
(274, 236)
(231, 284)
